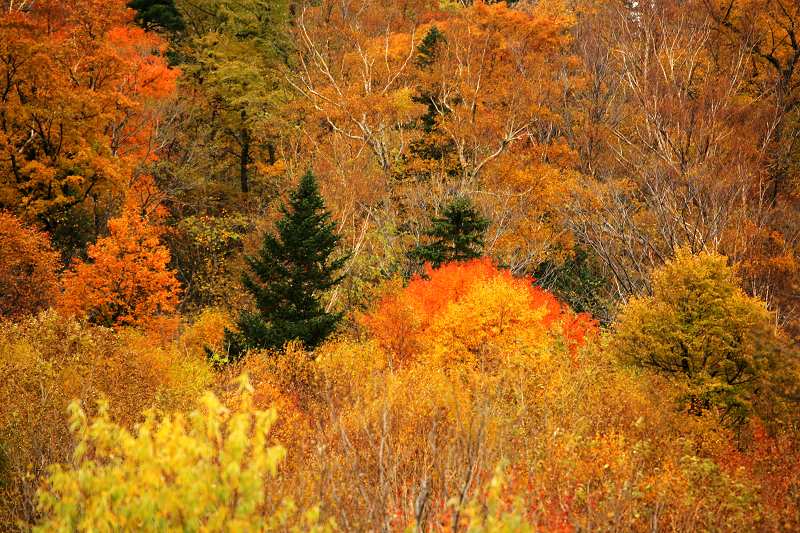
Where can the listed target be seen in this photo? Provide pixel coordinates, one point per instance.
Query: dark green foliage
(71, 230)
(579, 282)
(427, 50)
(456, 236)
(427, 53)
(157, 14)
(291, 272)
(434, 151)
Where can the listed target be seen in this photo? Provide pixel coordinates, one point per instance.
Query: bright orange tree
(127, 280)
(432, 307)
(28, 268)
(80, 91)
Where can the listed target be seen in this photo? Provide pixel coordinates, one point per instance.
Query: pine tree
(427, 50)
(458, 235)
(157, 14)
(292, 271)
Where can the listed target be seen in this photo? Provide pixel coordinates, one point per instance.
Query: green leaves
(700, 325)
(457, 235)
(157, 14)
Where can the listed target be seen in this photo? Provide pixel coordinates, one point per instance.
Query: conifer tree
(457, 235)
(157, 15)
(427, 50)
(291, 272)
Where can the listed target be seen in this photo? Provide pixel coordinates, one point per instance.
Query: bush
(207, 471)
(700, 327)
(46, 362)
(28, 266)
(470, 307)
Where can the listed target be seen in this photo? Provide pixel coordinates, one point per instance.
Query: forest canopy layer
(417, 265)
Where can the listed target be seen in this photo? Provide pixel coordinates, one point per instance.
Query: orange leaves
(127, 281)
(494, 78)
(79, 95)
(28, 267)
(464, 307)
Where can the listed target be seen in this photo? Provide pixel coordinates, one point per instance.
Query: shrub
(206, 471)
(700, 326)
(28, 266)
(47, 361)
(467, 305)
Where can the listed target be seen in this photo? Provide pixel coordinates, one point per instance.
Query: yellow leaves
(494, 514)
(493, 320)
(403, 103)
(47, 361)
(343, 363)
(169, 473)
(720, 344)
(206, 330)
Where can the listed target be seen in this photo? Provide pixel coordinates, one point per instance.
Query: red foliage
(771, 462)
(401, 318)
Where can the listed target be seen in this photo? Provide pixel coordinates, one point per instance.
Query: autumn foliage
(28, 267)
(475, 296)
(48, 361)
(80, 94)
(721, 344)
(607, 338)
(219, 459)
(126, 280)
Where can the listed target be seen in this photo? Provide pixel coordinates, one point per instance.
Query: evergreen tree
(157, 14)
(457, 236)
(428, 49)
(292, 270)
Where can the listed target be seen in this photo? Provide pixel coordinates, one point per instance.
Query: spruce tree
(291, 272)
(157, 14)
(457, 235)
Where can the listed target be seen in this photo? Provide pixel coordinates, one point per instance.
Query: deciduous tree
(79, 81)
(700, 327)
(234, 54)
(28, 266)
(126, 280)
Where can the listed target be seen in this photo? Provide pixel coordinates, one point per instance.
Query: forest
(400, 265)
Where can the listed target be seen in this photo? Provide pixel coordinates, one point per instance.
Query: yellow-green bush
(46, 362)
(721, 345)
(205, 471)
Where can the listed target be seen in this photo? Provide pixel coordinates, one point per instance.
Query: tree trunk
(244, 159)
